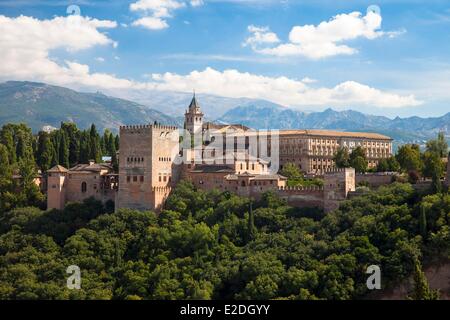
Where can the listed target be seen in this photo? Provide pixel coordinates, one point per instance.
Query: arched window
(83, 187)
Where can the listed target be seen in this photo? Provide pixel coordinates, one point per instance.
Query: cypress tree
(251, 224)
(63, 151)
(94, 141)
(73, 137)
(20, 147)
(421, 290)
(5, 165)
(56, 141)
(84, 148)
(44, 153)
(107, 142)
(111, 147)
(423, 222)
(116, 142)
(24, 148)
(114, 160)
(7, 139)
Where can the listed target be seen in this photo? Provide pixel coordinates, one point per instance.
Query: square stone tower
(147, 167)
(56, 184)
(336, 187)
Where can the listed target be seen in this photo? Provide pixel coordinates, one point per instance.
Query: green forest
(213, 245)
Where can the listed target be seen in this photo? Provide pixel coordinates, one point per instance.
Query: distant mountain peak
(40, 104)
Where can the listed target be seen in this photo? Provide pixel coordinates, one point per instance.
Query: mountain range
(403, 130)
(39, 105)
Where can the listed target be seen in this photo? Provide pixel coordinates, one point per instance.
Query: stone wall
(303, 196)
(94, 187)
(375, 180)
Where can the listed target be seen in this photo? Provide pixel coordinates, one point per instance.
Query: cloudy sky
(384, 57)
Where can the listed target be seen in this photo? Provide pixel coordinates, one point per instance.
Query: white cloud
(100, 59)
(26, 42)
(308, 80)
(326, 39)
(196, 3)
(282, 90)
(260, 36)
(151, 23)
(156, 12)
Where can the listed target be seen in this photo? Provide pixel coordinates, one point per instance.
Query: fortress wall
(375, 180)
(303, 196)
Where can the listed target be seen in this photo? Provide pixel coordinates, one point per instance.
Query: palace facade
(153, 158)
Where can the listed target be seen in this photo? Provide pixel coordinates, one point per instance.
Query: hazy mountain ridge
(38, 105)
(277, 117)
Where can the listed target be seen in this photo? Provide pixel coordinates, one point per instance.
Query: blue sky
(390, 62)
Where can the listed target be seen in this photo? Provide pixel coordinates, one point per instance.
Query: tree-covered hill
(211, 245)
(38, 105)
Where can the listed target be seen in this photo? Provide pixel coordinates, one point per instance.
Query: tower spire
(194, 116)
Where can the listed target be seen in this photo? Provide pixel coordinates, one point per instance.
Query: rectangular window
(142, 178)
(134, 178)
(128, 178)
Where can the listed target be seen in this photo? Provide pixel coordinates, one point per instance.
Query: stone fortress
(234, 158)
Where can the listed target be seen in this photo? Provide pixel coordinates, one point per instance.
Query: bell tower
(193, 118)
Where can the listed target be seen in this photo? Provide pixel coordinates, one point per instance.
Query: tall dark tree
(106, 143)
(85, 147)
(7, 139)
(95, 148)
(421, 290)
(63, 150)
(111, 146)
(251, 223)
(73, 137)
(116, 142)
(423, 222)
(5, 165)
(45, 151)
(7, 196)
(113, 153)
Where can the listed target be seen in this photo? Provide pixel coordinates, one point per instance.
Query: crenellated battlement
(147, 127)
(336, 170)
(301, 188)
(161, 189)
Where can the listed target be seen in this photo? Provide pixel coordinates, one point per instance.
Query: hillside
(39, 104)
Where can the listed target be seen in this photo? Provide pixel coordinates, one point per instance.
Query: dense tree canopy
(213, 245)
